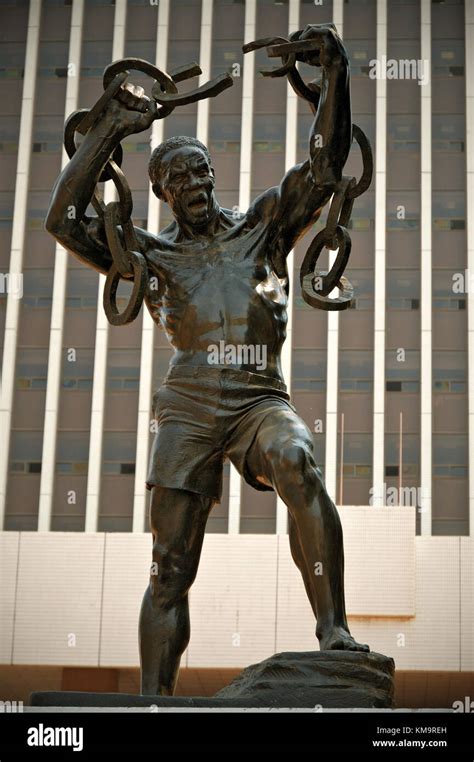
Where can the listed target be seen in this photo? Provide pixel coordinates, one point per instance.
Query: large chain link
(316, 285)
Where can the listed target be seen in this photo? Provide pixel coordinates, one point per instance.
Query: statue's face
(187, 184)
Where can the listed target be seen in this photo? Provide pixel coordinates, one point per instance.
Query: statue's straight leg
(178, 521)
(300, 561)
(316, 544)
(281, 455)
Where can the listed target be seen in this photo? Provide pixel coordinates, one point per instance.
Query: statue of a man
(223, 283)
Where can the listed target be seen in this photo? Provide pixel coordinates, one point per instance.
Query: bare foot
(340, 639)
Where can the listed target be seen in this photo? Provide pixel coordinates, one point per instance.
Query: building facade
(386, 387)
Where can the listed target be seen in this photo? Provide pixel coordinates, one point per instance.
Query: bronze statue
(218, 284)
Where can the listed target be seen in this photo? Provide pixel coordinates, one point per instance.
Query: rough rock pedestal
(310, 679)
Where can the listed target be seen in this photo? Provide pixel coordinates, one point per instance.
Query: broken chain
(316, 285)
(127, 260)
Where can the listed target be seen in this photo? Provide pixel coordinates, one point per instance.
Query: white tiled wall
(408, 597)
(8, 572)
(233, 601)
(126, 573)
(467, 603)
(58, 598)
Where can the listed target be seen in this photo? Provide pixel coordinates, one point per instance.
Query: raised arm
(125, 114)
(293, 206)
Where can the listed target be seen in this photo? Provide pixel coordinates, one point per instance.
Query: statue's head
(182, 175)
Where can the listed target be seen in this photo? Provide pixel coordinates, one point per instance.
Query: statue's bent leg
(282, 455)
(178, 521)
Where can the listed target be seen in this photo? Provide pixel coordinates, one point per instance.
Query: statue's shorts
(207, 414)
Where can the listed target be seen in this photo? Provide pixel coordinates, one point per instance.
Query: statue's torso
(220, 298)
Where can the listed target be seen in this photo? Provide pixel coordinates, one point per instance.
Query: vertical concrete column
(17, 244)
(246, 140)
(332, 376)
(48, 459)
(290, 161)
(469, 37)
(426, 386)
(380, 263)
(101, 336)
(205, 55)
(147, 348)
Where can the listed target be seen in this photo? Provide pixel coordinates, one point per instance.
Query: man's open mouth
(197, 203)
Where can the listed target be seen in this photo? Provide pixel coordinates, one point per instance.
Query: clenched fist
(329, 50)
(130, 110)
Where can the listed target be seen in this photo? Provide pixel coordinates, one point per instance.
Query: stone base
(329, 679)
